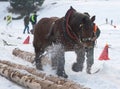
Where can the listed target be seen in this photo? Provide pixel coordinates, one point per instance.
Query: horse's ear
(71, 7)
(93, 18)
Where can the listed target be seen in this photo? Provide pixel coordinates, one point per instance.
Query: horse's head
(81, 27)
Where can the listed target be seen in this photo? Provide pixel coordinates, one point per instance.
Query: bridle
(81, 27)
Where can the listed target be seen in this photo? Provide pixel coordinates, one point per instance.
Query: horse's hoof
(77, 67)
(62, 74)
(39, 66)
(88, 70)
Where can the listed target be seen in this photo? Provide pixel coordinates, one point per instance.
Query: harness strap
(95, 28)
(50, 30)
(68, 28)
(66, 39)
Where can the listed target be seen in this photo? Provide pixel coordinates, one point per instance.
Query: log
(49, 78)
(27, 80)
(19, 78)
(65, 82)
(22, 67)
(27, 56)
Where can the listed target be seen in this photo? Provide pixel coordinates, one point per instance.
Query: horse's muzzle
(86, 39)
(87, 42)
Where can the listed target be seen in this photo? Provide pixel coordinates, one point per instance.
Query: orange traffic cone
(104, 54)
(27, 40)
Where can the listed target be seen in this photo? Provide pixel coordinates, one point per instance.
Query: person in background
(26, 24)
(33, 20)
(106, 20)
(111, 22)
(90, 51)
(8, 19)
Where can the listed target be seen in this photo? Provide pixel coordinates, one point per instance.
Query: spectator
(26, 24)
(106, 20)
(33, 20)
(89, 52)
(8, 19)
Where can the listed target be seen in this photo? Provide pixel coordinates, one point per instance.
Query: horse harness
(68, 35)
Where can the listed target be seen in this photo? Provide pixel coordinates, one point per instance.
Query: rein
(69, 31)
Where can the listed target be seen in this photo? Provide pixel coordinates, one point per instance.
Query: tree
(26, 4)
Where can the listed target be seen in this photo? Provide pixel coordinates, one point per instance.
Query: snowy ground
(107, 78)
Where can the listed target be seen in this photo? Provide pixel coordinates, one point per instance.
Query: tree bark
(22, 67)
(27, 56)
(27, 80)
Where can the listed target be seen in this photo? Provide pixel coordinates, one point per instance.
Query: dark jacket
(33, 19)
(26, 20)
(97, 32)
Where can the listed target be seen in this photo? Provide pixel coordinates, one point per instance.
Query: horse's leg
(38, 56)
(53, 55)
(78, 66)
(90, 59)
(54, 62)
(59, 56)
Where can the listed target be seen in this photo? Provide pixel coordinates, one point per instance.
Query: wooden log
(27, 56)
(65, 82)
(31, 70)
(54, 79)
(24, 55)
(26, 80)
(19, 78)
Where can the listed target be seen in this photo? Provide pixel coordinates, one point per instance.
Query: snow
(109, 75)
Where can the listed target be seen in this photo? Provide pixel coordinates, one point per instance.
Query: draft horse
(71, 32)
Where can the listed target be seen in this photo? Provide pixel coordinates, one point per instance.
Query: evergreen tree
(25, 4)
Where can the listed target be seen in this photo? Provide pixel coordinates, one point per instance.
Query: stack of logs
(32, 78)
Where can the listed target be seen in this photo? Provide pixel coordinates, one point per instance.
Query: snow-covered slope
(107, 78)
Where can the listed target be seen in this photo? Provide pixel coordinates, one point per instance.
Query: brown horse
(71, 33)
